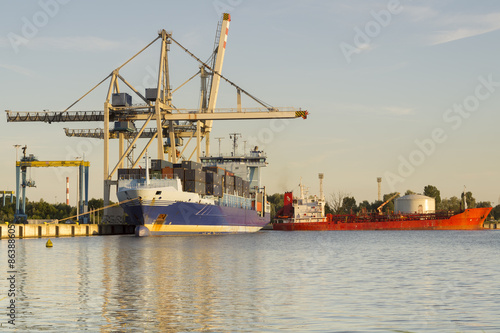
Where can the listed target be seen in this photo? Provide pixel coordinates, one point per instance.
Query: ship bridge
(246, 166)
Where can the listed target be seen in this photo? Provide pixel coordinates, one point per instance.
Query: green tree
(96, 203)
(495, 212)
(452, 204)
(376, 204)
(433, 192)
(276, 201)
(328, 209)
(471, 201)
(349, 205)
(336, 201)
(408, 192)
(483, 204)
(364, 206)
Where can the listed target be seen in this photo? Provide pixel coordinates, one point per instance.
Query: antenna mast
(234, 137)
(220, 138)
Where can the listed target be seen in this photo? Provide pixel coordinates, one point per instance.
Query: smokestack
(67, 190)
(379, 181)
(321, 176)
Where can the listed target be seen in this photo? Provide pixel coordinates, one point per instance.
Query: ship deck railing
(372, 217)
(136, 183)
(375, 217)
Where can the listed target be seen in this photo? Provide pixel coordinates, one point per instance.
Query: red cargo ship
(309, 214)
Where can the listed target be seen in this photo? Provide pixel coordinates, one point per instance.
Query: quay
(491, 225)
(65, 230)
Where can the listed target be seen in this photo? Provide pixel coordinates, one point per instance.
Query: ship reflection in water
(268, 281)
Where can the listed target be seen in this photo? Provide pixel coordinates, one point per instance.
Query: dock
(491, 225)
(65, 230)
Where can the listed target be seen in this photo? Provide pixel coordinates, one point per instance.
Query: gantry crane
(4, 193)
(170, 121)
(30, 161)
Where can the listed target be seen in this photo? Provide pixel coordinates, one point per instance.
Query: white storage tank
(415, 203)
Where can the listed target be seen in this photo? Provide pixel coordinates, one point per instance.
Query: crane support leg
(23, 188)
(18, 189)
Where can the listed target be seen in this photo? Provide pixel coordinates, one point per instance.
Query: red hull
(470, 219)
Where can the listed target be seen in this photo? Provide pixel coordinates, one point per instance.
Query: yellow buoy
(49, 243)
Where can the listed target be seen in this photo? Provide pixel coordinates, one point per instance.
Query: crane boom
(48, 164)
(385, 203)
(214, 88)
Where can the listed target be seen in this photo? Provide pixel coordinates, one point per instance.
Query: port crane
(170, 122)
(30, 161)
(4, 194)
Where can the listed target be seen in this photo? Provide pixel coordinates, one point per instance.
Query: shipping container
(217, 170)
(213, 178)
(213, 189)
(155, 175)
(121, 99)
(137, 172)
(124, 126)
(229, 189)
(167, 172)
(195, 175)
(246, 189)
(151, 94)
(195, 187)
(157, 165)
(179, 173)
(177, 165)
(228, 181)
(238, 182)
(191, 165)
(123, 173)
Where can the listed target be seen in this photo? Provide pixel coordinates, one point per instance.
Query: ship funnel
(321, 195)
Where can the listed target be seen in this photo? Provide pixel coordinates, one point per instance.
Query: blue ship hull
(178, 218)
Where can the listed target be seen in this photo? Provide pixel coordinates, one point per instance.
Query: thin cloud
(382, 110)
(465, 26)
(85, 43)
(17, 69)
(453, 27)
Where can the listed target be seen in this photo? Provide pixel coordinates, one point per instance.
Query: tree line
(43, 210)
(344, 203)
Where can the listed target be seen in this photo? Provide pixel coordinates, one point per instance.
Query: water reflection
(269, 281)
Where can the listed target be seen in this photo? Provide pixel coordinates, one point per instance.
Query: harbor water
(270, 281)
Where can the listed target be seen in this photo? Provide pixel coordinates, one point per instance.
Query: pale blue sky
(378, 77)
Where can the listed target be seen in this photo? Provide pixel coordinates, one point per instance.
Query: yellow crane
(385, 203)
(4, 193)
(30, 161)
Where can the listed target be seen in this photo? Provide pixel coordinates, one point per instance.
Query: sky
(399, 89)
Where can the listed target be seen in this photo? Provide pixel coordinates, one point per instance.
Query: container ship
(412, 212)
(218, 195)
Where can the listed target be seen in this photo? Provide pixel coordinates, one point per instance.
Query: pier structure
(155, 117)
